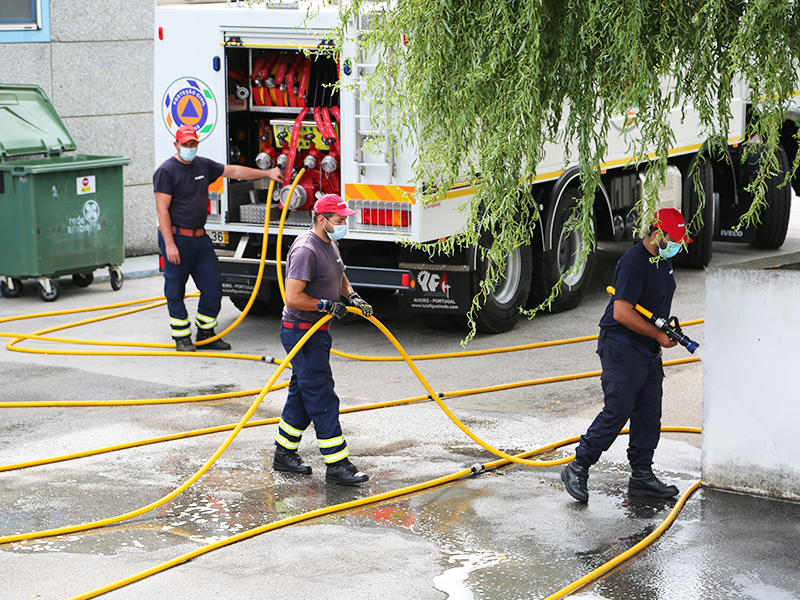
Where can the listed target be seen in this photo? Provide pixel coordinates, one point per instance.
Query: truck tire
(698, 254)
(771, 233)
(500, 310)
(259, 307)
(271, 306)
(549, 265)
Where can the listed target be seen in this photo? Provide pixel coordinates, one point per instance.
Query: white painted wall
(751, 383)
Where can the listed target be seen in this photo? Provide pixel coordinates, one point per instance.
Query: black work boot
(204, 334)
(344, 472)
(184, 344)
(645, 483)
(290, 461)
(575, 477)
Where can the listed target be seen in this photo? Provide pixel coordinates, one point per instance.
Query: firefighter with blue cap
(181, 189)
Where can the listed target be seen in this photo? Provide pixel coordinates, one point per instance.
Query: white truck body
(199, 48)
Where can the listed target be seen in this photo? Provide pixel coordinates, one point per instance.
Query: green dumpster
(59, 215)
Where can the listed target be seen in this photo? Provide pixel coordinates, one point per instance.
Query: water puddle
(453, 582)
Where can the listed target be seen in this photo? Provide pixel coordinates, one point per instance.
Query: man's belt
(302, 325)
(630, 342)
(189, 232)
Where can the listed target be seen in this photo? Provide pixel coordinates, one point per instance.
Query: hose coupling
(268, 359)
(477, 468)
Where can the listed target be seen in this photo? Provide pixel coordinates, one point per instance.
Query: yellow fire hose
(394, 494)
(506, 458)
(192, 479)
(244, 422)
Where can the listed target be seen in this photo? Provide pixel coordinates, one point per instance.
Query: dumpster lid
(29, 123)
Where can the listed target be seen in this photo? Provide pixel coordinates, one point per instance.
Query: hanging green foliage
(481, 87)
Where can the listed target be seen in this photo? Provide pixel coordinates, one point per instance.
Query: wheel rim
(569, 248)
(508, 286)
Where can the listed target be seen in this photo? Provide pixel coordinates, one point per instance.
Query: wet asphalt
(503, 534)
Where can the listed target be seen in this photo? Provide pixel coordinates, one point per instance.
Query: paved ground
(508, 533)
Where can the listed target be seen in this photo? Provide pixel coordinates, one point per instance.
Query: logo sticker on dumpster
(87, 222)
(91, 211)
(189, 101)
(86, 185)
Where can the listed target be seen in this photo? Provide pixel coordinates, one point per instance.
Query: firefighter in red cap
(181, 190)
(315, 285)
(630, 353)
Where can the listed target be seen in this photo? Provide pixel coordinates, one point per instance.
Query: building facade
(94, 60)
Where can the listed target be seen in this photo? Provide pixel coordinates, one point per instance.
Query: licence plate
(218, 237)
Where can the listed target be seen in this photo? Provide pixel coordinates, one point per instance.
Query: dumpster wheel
(83, 279)
(115, 277)
(49, 289)
(15, 291)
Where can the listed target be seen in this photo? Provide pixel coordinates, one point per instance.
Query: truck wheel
(7, 292)
(698, 254)
(271, 306)
(274, 302)
(83, 279)
(500, 311)
(52, 296)
(259, 307)
(771, 233)
(549, 265)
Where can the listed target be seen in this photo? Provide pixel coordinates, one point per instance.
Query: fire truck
(257, 81)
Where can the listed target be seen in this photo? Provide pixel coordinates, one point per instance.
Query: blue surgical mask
(339, 231)
(671, 250)
(187, 154)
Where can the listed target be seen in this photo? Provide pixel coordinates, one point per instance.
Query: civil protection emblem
(189, 101)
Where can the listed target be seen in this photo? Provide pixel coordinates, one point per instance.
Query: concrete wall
(97, 69)
(751, 384)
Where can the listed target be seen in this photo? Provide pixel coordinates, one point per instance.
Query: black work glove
(355, 300)
(337, 309)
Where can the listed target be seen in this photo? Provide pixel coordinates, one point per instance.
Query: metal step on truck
(258, 86)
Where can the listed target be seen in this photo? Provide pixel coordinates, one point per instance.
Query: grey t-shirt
(319, 263)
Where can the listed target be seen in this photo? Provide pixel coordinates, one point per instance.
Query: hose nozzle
(672, 328)
(669, 326)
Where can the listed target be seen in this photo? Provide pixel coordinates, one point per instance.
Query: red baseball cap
(671, 221)
(332, 203)
(186, 133)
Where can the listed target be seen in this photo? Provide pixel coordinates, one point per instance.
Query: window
(20, 15)
(24, 21)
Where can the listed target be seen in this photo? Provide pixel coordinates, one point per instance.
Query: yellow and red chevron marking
(386, 193)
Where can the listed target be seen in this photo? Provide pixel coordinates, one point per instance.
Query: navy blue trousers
(311, 397)
(632, 384)
(199, 261)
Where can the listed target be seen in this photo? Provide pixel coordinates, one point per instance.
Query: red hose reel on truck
(304, 147)
(280, 80)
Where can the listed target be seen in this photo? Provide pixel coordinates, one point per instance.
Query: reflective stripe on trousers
(199, 261)
(311, 397)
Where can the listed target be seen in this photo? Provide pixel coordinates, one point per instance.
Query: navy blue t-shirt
(639, 281)
(188, 186)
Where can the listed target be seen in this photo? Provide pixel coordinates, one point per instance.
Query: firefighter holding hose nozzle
(630, 347)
